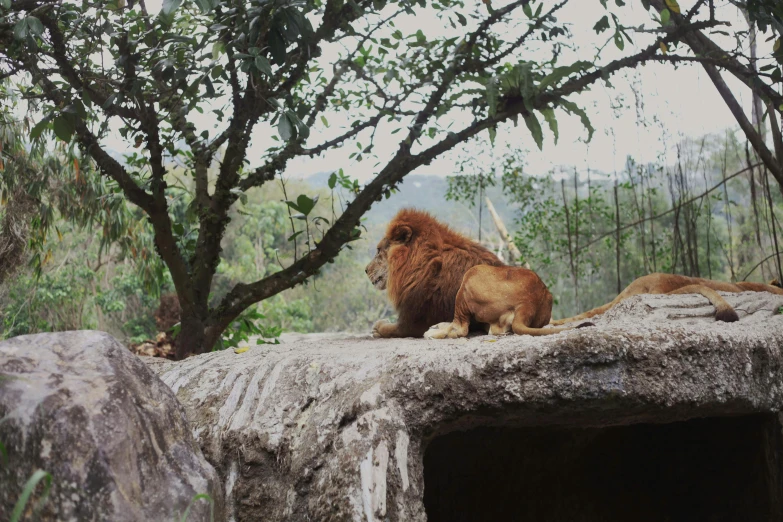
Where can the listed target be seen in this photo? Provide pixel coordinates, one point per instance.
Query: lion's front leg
(384, 329)
(404, 327)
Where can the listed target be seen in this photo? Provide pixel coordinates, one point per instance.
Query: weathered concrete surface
(336, 429)
(116, 441)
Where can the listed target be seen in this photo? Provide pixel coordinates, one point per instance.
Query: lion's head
(378, 269)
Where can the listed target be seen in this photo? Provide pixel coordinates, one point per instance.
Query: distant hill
(428, 192)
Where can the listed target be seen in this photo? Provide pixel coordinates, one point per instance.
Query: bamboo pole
(516, 255)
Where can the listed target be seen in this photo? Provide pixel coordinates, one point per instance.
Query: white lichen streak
(365, 472)
(380, 466)
(233, 473)
(373, 478)
(401, 456)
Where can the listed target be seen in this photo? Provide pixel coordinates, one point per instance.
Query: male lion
(678, 284)
(421, 262)
(507, 299)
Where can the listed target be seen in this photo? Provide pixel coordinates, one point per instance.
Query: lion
(507, 299)
(677, 284)
(420, 262)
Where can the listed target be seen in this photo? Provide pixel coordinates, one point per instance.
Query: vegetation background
(89, 258)
(86, 283)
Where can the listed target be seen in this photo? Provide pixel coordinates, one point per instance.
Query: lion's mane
(426, 273)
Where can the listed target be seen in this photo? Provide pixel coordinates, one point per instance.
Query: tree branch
(747, 127)
(702, 46)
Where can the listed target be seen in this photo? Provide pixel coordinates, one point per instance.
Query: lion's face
(378, 269)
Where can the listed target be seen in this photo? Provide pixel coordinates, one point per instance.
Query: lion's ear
(402, 234)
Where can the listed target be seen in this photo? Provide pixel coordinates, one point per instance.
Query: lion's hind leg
(503, 324)
(438, 331)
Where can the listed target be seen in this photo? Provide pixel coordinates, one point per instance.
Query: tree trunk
(191, 339)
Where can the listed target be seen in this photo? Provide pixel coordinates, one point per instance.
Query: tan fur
(420, 263)
(678, 284)
(507, 299)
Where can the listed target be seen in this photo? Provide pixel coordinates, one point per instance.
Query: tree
(762, 80)
(92, 68)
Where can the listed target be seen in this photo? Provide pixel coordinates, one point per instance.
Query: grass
(200, 496)
(29, 487)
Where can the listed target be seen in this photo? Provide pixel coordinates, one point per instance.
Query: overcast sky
(683, 100)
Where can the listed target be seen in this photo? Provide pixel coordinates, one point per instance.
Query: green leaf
(63, 127)
(558, 73)
(218, 48)
(20, 29)
(305, 204)
(6, 4)
(325, 121)
(263, 65)
(618, 41)
(535, 129)
(29, 487)
(285, 128)
(462, 20)
(277, 46)
(39, 128)
(294, 235)
(333, 180)
(549, 116)
(204, 5)
(302, 129)
(574, 109)
(492, 95)
(35, 26)
(601, 25)
(178, 229)
(169, 6)
(665, 15)
(493, 131)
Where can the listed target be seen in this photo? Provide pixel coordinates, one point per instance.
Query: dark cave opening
(708, 470)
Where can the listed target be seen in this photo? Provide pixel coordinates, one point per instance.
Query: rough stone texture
(338, 429)
(116, 441)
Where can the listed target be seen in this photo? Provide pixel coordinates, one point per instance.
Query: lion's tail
(521, 329)
(586, 315)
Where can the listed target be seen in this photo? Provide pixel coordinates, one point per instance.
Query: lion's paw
(376, 328)
(438, 331)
